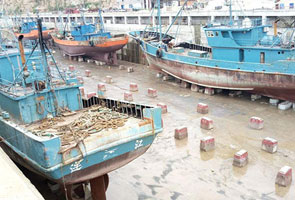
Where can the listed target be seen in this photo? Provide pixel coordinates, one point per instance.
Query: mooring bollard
(163, 107)
(269, 144)
(256, 123)
(207, 143)
(206, 123)
(152, 92)
(284, 176)
(91, 94)
(202, 108)
(133, 87)
(101, 87)
(241, 158)
(180, 133)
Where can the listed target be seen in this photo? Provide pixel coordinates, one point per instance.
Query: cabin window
(216, 33)
(225, 34)
(210, 34)
(262, 57)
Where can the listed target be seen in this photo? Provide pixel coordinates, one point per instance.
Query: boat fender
(159, 53)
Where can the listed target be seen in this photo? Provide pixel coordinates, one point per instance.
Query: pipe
(22, 52)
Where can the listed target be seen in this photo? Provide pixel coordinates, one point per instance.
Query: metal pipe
(22, 52)
(159, 20)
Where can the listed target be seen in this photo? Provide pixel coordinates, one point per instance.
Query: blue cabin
(27, 27)
(247, 41)
(86, 32)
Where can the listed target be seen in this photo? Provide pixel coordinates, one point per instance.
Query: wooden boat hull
(275, 85)
(33, 35)
(105, 51)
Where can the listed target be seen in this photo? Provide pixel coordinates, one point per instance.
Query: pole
(159, 20)
(230, 14)
(101, 25)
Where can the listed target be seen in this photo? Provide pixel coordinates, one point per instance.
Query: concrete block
(294, 106)
(133, 87)
(234, 93)
(71, 68)
(194, 88)
(80, 59)
(128, 96)
(201, 90)
(97, 63)
(255, 97)
(80, 79)
(284, 176)
(202, 108)
(206, 123)
(159, 75)
(152, 92)
(109, 79)
(82, 91)
(71, 58)
(163, 107)
(89, 61)
(241, 158)
(130, 69)
(180, 133)
(207, 143)
(122, 67)
(91, 94)
(209, 91)
(184, 84)
(285, 105)
(218, 91)
(269, 144)
(101, 87)
(256, 123)
(167, 78)
(64, 55)
(87, 73)
(273, 102)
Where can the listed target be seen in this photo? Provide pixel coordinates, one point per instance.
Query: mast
(101, 25)
(159, 20)
(230, 14)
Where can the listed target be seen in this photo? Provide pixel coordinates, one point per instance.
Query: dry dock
(177, 169)
(13, 184)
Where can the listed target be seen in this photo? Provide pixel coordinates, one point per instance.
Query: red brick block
(206, 123)
(256, 123)
(207, 143)
(163, 107)
(152, 92)
(133, 87)
(101, 87)
(128, 96)
(284, 176)
(241, 158)
(87, 73)
(209, 91)
(109, 79)
(202, 108)
(71, 68)
(91, 94)
(180, 133)
(82, 91)
(269, 144)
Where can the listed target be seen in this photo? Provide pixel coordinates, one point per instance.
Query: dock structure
(14, 185)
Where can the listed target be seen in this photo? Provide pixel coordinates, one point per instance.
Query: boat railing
(129, 108)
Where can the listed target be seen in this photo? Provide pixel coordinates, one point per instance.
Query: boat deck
(95, 121)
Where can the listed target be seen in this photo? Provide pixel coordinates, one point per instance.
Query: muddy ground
(173, 169)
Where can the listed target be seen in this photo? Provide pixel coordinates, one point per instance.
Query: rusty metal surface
(275, 85)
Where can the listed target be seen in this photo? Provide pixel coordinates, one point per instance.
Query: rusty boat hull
(274, 85)
(105, 51)
(33, 35)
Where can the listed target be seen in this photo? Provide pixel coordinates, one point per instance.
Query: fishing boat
(242, 55)
(30, 32)
(50, 128)
(91, 42)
